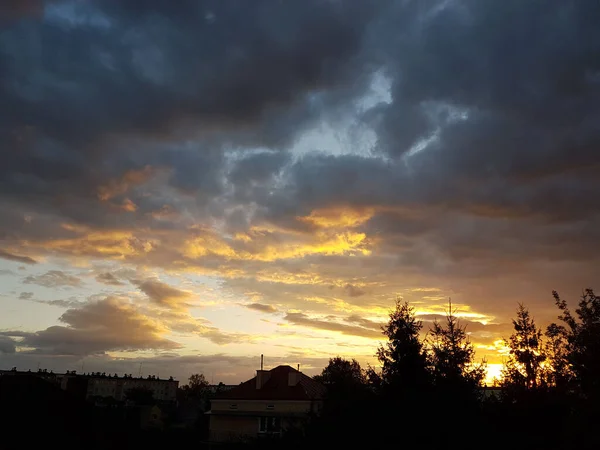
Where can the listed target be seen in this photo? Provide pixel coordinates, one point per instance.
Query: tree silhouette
(196, 389)
(523, 369)
(347, 398)
(452, 355)
(197, 381)
(403, 358)
(342, 374)
(346, 384)
(576, 344)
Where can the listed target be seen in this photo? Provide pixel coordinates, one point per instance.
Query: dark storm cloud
(509, 111)
(125, 67)
(513, 91)
(17, 258)
(15, 9)
(252, 175)
(53, 279)
(262, 308)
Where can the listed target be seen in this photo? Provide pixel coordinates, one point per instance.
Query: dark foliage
(403, 357)
(524, 370)
(452, 357)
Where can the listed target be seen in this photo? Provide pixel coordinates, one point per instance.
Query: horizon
(189, 185)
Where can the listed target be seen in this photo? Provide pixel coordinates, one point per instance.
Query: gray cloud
(354, 291)
(351, 330)
(17, 258)
(153, 70)
(13, 9)
(97, 327)
(7, 345)
(366, 323)
(262, 308)
(70, 303)
(163, 294)
(25, 295)
(109, 278)
(53, 279)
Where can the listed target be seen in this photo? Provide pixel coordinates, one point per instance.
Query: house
(272, 402)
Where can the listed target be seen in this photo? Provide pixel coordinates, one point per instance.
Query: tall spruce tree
(403, 358)
(452, 356)
(523, 370)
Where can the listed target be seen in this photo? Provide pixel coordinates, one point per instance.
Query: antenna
(262, 360)
(140, 375)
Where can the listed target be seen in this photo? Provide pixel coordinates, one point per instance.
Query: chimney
(294, 377)
(262, 376)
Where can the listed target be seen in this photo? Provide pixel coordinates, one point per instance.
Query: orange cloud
(110, 243)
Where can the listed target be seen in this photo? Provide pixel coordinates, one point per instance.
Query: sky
(187, 185)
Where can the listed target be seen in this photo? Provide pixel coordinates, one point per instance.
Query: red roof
(277, 388)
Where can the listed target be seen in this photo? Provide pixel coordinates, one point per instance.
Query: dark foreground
(35, 414)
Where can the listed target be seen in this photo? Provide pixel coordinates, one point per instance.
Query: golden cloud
(99, 243)
(346, 243)
(339, 217)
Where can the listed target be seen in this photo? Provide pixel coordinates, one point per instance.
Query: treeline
(429, 392)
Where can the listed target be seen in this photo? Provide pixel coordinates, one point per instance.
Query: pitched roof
(277, 388)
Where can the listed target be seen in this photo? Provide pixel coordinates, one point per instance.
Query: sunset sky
(189, 184)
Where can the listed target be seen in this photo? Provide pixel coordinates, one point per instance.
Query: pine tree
(403, 358)
(452, 356)
(523, 369)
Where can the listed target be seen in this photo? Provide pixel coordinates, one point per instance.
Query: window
(269, 425)
(270, 406)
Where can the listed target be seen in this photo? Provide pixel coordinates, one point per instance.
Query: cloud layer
(313, 159)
